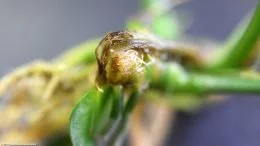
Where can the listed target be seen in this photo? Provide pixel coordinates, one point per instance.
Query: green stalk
(83, 53)
(204, 83)
(117, 131)
(171, 78)
(240, 44)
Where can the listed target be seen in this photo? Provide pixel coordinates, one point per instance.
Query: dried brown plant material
(150, 124)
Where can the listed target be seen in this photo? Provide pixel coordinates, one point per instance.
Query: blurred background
(32, 29)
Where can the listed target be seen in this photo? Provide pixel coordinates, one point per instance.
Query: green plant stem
(117, 131)
(83, 53)
(240, 44)
(122, 121)
(203, 83)
(173, 79)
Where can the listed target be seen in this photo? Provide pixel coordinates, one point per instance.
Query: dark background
(31, 29)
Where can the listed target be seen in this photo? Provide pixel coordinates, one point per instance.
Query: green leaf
(135, 25)
(240, 43)
(92, 115)
(82, 120)
(166, 26)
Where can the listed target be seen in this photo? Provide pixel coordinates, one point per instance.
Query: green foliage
(92, 115)
(95, 114)
(166, 26)
(240, 43)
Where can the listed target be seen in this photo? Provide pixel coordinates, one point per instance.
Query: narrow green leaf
(240, 43)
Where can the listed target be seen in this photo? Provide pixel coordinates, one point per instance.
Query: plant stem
(240, 44)
(172, 79)
(116, 131)
(83, 53)
(203, 83)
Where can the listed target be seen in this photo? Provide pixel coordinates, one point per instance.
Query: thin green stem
(205, 83)
(122, 121)
(240, 44)
(117, 131)
(173, 79)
